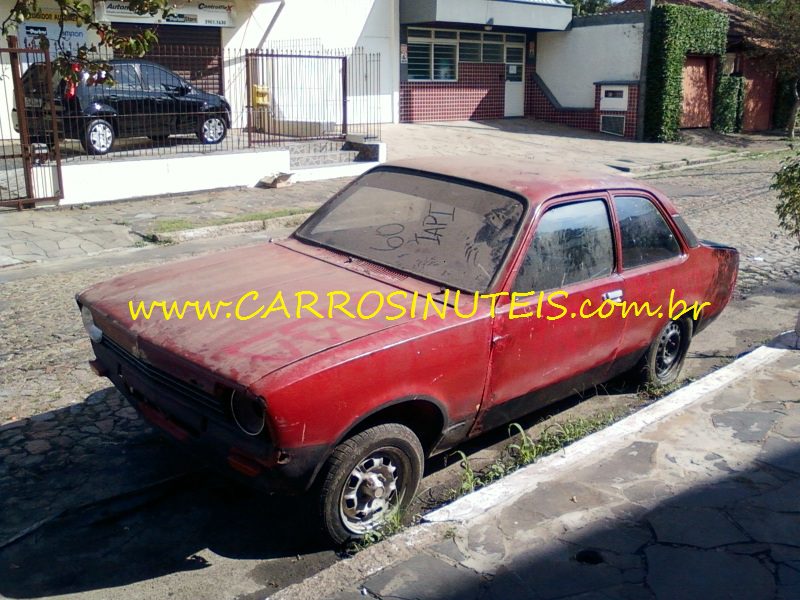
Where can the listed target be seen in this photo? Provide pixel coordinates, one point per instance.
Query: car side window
(572, 243)
(125, 77)
(156, 79)
(646, 237)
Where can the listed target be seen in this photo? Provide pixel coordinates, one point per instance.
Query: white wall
(322, 24)
(569, 62)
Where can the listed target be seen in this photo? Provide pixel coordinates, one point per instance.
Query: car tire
(367, 478)
(663, 361)
(212, 129)
(98, 137)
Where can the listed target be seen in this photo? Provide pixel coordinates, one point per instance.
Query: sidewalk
(87, 230)
(696, 496)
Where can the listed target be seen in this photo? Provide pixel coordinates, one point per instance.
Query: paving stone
(767, 525)
(686, 574)
(789, 426)
(551, 499)
(633, 462)
(106, 425)
(621, 538)
(38, 446)
(781, 453)
(692, 526)
(425, 578)
(748, 426)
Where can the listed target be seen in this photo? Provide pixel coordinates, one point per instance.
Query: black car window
(646, 237)
(156, 79)
(125, 77)
(572, 243)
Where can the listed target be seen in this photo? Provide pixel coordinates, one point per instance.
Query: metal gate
(31, 161)
(323, 96)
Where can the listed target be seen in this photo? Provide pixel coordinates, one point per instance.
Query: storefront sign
(403, 54)
(210, 14)
(45, 24)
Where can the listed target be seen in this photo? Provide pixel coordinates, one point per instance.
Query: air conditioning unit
(613, 124)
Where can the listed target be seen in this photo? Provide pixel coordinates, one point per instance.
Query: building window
(434, 54)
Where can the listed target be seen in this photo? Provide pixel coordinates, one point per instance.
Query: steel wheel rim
(371, 492)
(101, 137)
(669, 349)
(213, 129)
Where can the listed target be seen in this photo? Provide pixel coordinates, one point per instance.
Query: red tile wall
(539, 107)
(479, 93)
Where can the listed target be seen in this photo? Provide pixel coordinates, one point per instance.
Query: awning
(552, 15)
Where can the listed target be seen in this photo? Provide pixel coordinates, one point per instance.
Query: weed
(168, 225)
(260, 216)
(650, 392)
(391, 525)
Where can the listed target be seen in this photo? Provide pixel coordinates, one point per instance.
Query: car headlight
(248, 412)
(95, 333)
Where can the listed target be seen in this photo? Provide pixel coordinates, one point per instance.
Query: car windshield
(449, 232)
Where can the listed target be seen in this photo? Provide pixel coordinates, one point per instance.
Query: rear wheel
(212, 129)
(368, 478)
(98, 137)
(664, 359)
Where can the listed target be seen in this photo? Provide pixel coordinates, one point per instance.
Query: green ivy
(676, 31)
(784, 99)
(787, 182)
(729, 107)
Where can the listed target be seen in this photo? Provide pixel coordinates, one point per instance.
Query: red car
(425, 303)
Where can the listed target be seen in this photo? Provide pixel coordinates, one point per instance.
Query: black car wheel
(212, 129)
(98, 137)
(367, 479)
(664, 359)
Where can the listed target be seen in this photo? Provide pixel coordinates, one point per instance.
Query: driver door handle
(613, 296)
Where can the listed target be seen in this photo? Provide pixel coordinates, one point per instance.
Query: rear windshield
(449, 232)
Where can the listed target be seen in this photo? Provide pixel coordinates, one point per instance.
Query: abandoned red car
(425, 303)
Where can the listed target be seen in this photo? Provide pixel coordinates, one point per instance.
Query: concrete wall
(569, 62)
(323, 24)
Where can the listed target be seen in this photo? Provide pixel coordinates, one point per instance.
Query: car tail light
(249, 413)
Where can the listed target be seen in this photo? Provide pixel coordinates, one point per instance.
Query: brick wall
(538, 106)
(479, 93)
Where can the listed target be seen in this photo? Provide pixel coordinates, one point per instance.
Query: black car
(145, 99)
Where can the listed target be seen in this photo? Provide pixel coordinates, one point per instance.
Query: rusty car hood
(239, 350)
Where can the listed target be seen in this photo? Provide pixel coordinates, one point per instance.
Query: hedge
(676, 31)
(729, 107)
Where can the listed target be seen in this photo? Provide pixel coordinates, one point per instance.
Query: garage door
(759, 96)
(194, 53)
(696, 92)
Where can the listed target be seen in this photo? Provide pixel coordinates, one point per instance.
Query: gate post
(249, 96)
(22, 118)
(344, 95)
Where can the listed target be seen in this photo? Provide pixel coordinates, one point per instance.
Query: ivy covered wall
(676, 31)
(729, 107)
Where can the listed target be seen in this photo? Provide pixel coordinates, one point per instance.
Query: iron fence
(198, 100)
(29, 168)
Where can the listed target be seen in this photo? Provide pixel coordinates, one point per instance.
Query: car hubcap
(370, 493)
(669, 348)
(101, 137)
(213, 129)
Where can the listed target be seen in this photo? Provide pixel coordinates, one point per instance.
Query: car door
(570, 264)
(163, 89)
(652, 259)
(126, 97)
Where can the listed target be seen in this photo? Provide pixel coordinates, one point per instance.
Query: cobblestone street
(66, 436)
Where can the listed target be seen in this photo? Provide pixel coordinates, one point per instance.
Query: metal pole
(344, 96)
(22, 119)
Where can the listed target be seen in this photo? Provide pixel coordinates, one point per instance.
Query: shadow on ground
(84, 508)
(737, 537)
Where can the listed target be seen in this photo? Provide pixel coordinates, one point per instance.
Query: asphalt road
(94, 504)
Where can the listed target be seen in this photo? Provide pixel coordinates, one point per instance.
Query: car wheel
(98, 137)
(369, 477)
(664, 359)
(212, 129)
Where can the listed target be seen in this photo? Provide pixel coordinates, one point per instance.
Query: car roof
(537, 182)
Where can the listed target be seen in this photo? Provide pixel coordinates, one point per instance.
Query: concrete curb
(507, 490)
(689, 163)
(214, 231)
(607, 441)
